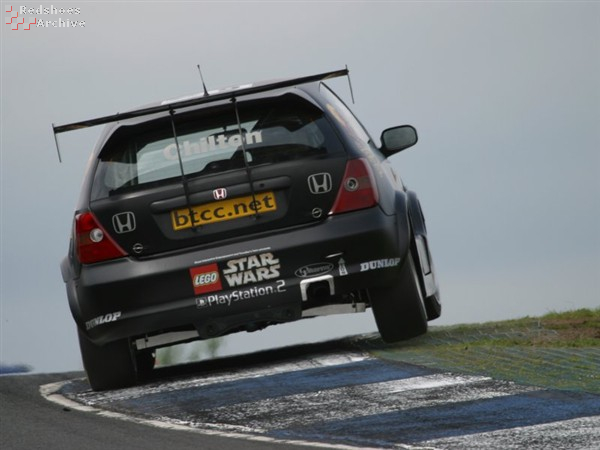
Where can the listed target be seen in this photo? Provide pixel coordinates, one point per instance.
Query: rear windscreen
(274, 131)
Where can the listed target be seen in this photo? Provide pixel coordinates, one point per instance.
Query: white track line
(582, 433)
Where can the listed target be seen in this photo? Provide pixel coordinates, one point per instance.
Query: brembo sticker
(379, 264)
(206, 279)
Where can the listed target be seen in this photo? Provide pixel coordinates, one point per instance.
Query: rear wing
(198, 99)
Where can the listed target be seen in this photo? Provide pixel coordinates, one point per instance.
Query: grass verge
(557, 351)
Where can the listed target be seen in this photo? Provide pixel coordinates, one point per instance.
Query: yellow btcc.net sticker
(223, 210)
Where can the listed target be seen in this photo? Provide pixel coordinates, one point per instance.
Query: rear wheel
(109, 366)
(144, 361)
(399, 310)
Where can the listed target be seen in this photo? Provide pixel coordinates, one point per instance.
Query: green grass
(557, 350)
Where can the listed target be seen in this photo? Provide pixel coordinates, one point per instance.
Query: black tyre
(110, 366)
(144, 361)
(399, 310)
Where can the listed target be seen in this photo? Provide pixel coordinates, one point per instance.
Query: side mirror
(396, 139)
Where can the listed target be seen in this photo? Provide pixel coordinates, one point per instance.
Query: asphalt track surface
(30, 422)
(325, 395)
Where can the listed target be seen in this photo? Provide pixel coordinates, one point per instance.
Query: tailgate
(156, 192)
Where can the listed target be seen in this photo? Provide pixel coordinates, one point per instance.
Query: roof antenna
(56, 142)
(202, 79)
(350, 83)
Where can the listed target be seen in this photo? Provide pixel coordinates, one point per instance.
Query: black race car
(238, 209)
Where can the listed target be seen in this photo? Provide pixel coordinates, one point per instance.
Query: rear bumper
(269, 279)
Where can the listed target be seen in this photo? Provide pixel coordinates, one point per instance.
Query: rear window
(286, 129)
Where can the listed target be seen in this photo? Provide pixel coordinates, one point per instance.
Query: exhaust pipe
(317, 288)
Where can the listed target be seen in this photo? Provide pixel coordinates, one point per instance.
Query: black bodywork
(292, 253)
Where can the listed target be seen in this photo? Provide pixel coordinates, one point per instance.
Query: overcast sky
(505, 96)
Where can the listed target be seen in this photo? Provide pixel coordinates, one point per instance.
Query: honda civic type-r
(235, 210)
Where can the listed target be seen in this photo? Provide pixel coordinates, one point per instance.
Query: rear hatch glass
(168, 184)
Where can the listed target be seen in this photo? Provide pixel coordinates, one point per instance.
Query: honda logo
(319, 183)
(124, 222)
(220, 194)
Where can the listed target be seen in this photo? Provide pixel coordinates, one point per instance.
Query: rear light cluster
(92, 242)
(358, 189)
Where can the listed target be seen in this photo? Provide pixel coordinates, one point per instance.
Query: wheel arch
(415, 213)
(403, 225)
(422, 256)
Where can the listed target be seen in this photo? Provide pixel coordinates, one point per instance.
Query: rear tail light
(93, 242)
(358, 189)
